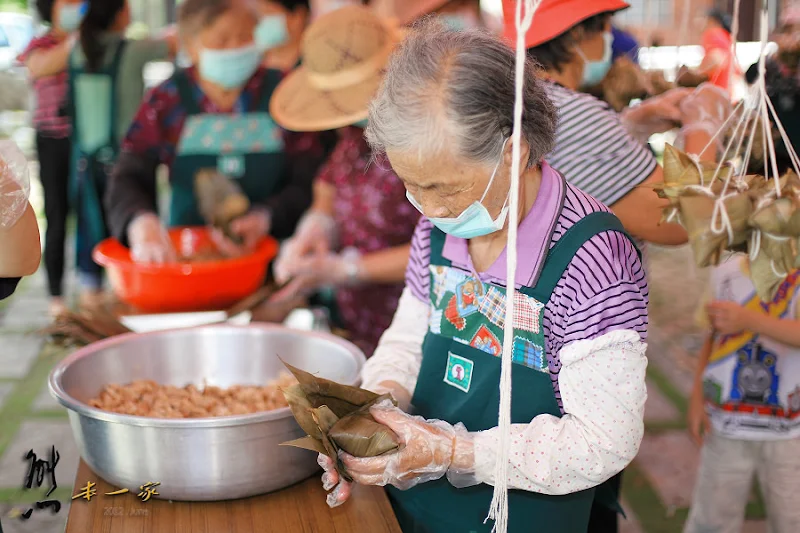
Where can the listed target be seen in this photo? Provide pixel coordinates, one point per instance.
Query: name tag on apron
(232, 166)
(459, 372)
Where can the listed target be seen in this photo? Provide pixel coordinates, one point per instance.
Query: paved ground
(657, 487)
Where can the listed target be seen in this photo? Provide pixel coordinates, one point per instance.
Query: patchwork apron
(93, 108)
(246, 146)
(458, 382)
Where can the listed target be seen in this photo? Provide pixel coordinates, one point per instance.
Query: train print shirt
(752, 383)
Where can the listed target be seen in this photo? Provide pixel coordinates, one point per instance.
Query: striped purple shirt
(603, 289)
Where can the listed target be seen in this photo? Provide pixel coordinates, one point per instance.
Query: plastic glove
(149, 241)
(707, 109)
(315, 235)
(654, 115)
(430, 449)
(251, 228)
(400, 394)
(310, 272)
(14, 184)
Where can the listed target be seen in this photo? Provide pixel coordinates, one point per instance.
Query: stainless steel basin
(197, 459)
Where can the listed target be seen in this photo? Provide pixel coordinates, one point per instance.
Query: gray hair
(196, 15)
(455, 89)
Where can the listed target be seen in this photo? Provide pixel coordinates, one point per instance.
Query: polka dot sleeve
(603, 390)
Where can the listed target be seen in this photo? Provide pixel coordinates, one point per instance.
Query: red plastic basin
(184, 287)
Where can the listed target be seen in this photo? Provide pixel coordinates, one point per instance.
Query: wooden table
(299, 508)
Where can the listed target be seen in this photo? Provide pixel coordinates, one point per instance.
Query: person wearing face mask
(356, 235)
(45, 58)
(597, 150)
(213, 114)
(455, 14)
(443, 117)
(280, 31)
(105, 86)
(605, 154)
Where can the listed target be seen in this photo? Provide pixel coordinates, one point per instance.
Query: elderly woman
(213, 115)
(356, 235)
(444, 116)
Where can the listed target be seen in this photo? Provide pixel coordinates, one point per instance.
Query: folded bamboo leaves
(756, 217)
(220, 200)
(336, 417)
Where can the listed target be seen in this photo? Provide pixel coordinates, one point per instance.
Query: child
(745, 404)
(20, 249)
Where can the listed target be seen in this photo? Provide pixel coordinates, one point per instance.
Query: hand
(14, 184)
(149, 241)
(425, 454)
(729, 318)
(315, 235)
(654, 115)
(251, 228)
(331, 480)
(310, 272)
(697, 418)
(707, 108)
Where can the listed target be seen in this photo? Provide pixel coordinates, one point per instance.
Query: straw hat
(344, 53)
(406, 11)
(554, 17)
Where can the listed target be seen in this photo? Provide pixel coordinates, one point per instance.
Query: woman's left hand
(729, 318)
(425, 453)
(251, 228)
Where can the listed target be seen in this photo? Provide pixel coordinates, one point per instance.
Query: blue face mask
(70, 16)
(475, 220)
(455, 22)
(595, 71)
(271, 32)
(230, 68)
(361, 123)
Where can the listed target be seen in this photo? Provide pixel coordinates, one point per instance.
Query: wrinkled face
(232, 29)
(446, 185)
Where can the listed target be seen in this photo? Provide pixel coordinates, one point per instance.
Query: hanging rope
(498, 510)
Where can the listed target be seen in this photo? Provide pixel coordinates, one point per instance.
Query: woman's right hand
(330, 480)
(315, 235)
(697, 418)
(149, 241)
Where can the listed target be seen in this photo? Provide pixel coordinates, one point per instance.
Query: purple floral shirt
(372, 214)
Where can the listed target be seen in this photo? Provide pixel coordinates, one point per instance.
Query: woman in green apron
(443, 116)
(106, 87)
(213, 115)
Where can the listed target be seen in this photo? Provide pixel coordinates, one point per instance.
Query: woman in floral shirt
(356, 235)
(211, 115)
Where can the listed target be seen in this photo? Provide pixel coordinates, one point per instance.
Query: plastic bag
(15, 186)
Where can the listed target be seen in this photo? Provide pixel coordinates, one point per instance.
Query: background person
(355, 237)
(212, 115)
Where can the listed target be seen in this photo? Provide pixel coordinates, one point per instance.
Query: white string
(733, 61)
(682, 35)
(498, 510)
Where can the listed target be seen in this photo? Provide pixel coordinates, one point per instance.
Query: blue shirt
(624, 44)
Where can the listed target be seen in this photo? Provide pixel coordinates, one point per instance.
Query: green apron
(93, 108)
(458, 382)
(246, 146)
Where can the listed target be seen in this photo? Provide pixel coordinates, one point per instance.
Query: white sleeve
(603, 389)
(399, 352)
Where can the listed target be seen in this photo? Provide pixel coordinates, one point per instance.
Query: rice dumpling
(220, 200)
(336, 417)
